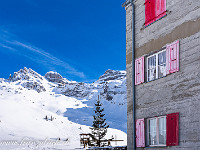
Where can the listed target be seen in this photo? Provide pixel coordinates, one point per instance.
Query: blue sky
(80, 39)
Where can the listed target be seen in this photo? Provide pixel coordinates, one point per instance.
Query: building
(164, 102)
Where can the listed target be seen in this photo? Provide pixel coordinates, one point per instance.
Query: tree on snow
(99, 127)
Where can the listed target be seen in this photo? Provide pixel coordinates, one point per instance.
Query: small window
(156, 131)
(156, 65)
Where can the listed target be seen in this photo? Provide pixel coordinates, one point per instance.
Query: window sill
(155, 79)
(151, 80)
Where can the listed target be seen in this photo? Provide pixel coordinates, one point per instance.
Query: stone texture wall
(177, 92)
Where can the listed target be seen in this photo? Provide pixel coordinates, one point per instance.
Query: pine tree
(99, 127)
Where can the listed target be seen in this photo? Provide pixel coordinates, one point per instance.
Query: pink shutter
(172, 129)
(139, 70)
(172, 57)
(140, 133)
(149, 12)
(160, 8)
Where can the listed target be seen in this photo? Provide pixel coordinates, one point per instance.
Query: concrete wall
(177, 92)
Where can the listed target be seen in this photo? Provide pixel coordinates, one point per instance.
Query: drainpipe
(133, 70)
(133, 65)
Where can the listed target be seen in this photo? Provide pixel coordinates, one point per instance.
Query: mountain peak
(112, 75)
(29, 79)
(52, 76)
(25, 74)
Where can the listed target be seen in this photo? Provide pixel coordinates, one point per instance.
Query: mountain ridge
(27, 92)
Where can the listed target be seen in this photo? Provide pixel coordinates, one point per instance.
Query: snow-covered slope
(53, 107)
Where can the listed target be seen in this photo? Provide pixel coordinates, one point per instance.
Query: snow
(23, 111)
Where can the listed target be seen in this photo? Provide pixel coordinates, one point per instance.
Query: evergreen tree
(99, 127)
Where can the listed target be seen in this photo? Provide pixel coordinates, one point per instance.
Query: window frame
(156, 67)
(157, 131)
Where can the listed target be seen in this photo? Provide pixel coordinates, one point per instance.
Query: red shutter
(140, 133)
(160, 8)
(172, 129)
(139, 70)
(172, 57)
(149, 12)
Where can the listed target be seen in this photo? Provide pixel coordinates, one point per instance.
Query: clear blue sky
(80, 39)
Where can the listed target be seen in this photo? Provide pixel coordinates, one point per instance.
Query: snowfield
(33, 109)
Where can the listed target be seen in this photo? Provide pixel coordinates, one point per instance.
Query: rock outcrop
(54, 77)
(25, 74)
(28, 79)
(112, 75)
(111, 84)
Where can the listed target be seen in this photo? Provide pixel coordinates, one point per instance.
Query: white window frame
(157, 131)
(156, 54)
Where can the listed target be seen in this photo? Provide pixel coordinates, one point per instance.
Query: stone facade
(177, 92)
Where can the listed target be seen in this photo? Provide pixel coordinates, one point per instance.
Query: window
(160, 131)
(156, 131)
(156, 65)
(154, 10)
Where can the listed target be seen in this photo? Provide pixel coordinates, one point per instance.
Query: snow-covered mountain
(53, 107)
